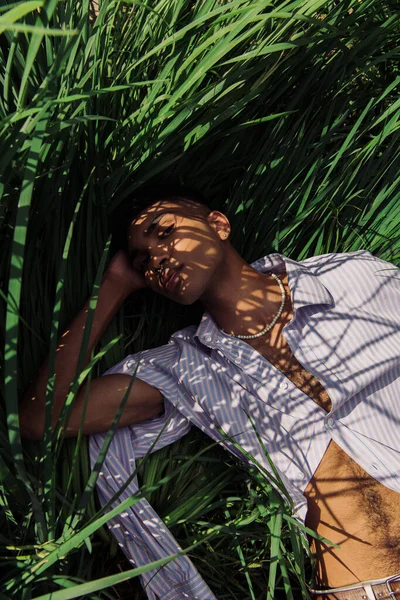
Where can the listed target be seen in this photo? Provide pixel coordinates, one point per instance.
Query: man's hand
(120, 269)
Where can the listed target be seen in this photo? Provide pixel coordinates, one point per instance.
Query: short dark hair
(144, 198)
(147, 196)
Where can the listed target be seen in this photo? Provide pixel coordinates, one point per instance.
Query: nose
(158, 255)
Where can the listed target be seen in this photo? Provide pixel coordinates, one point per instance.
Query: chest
(283, 359)
(277, 351)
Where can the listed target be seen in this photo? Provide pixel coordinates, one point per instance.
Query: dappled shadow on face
(176, 249)
(184, 252)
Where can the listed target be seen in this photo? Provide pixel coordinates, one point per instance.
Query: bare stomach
(350, 508)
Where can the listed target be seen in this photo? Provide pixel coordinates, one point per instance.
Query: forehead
(139, 227)
(160, 206)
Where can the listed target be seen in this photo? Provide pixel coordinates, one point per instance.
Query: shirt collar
(305, 288)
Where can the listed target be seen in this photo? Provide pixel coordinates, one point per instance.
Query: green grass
(286, 114)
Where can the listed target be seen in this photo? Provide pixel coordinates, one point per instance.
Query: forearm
(113, 291)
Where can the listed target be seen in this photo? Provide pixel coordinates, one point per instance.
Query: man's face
(177, 246)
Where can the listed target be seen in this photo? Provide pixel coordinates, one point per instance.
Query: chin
(188, 297)
(185, 300)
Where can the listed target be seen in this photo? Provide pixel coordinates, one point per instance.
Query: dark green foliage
(286, 115)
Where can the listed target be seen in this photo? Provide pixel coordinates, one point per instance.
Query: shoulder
(161, 358)
(357, 279)
(355, 264)
(326, 261)
(166, 367)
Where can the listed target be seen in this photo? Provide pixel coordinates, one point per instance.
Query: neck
(241, 300)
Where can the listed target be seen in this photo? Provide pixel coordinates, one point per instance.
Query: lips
(170, 279)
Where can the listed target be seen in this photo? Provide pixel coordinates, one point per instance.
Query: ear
(220, 223)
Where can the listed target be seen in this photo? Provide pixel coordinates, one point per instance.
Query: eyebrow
(134, 252)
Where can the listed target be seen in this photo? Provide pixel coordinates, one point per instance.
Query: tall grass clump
(286, 115)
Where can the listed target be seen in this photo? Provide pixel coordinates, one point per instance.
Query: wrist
(121, 272)
(118, 285)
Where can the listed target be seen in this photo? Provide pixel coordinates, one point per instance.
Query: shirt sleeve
(139, 531)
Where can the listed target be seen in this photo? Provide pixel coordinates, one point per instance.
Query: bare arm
(105, 393)
(105, 397)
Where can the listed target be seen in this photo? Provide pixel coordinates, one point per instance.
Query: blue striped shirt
(345, 331)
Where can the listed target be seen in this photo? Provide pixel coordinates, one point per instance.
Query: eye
(167, 231)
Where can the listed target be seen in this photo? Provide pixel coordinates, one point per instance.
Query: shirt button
(207, 338)
(237, 360)
(283, 385)
(330, 423)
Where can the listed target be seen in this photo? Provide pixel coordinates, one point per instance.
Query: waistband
(377, 589)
